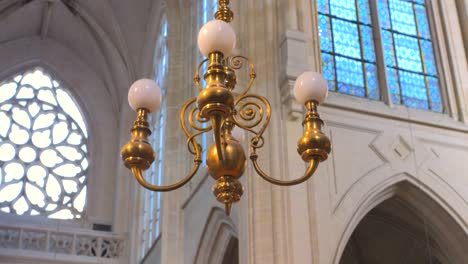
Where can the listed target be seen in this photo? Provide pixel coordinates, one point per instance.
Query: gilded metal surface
(313, 165)
(224, 13)
(138, 152)
(314, 144)
(233, 162)
(231, 78)
(197, 78)
(252, 111)
(237, 63)
(228, 190)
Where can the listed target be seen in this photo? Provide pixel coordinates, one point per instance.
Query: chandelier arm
(192, 142)
(197, 78)
(313, 165)
(199, 119)
(139, 176)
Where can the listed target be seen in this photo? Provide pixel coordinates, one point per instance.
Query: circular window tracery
(43, 148)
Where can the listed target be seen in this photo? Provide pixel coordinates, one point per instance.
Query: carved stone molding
(293, 61)
(47, 244)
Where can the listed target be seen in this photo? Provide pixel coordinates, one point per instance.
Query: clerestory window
(347, 32)
(43, 148)
(152, 201)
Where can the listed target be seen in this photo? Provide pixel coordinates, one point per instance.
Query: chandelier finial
(224, 13)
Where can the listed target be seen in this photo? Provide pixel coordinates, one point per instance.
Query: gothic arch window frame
(92, 93)
(29, 67)
(449, 100)
(218, 234)
(418, 196)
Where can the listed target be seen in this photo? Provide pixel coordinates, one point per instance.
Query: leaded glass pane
(346, 38)
(347, 42)
(326, 38)
(43, 148)
(350, 76)
(402, 17)
(409, 54)
(343, 9)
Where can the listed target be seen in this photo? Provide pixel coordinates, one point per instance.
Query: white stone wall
(375, 145)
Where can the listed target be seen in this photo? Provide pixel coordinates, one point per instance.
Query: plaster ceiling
(108, 35)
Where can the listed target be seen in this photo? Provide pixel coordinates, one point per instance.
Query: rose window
(43, 148)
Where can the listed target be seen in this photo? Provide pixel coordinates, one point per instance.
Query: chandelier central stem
(224, 13)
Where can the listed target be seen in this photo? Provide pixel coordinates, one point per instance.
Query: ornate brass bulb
(233, 162)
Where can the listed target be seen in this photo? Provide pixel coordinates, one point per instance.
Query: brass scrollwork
(237, 63)
(197, 78)
(253, 111)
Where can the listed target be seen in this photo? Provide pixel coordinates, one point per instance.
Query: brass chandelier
(225, 107)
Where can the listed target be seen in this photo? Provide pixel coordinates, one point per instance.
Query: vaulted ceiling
(108, 35)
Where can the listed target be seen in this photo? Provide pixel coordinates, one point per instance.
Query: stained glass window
(347, 43)
(349, 60)
(409, 54)
(153, 200)
(43, 148)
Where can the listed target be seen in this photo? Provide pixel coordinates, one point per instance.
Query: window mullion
(449, 103)
(423, 61)
(335, 71)
(361, 42)
(380, 55)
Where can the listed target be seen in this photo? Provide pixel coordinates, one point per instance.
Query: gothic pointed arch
(406, 210)
(219, 243)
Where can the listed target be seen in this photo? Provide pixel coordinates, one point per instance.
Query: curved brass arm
(139, 176)
(313, 165)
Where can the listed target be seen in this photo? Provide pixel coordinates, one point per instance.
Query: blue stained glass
(371, 71)
(344, 9)
(393, 85)
(420, 1)
(402, 17)
(423, 25)
(368, 41)
(364, 14)
(429, 60)
(346, 38)
(388, 48)
(434, 90)
(349, 72)
(323, 6)
(408, 55)
(346, 44)
(413, 89)
(325, 34)
(328, 67)
(383, 14)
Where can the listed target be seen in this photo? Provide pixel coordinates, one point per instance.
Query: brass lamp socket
(314, 143)
(138, 153)
(215, 97)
